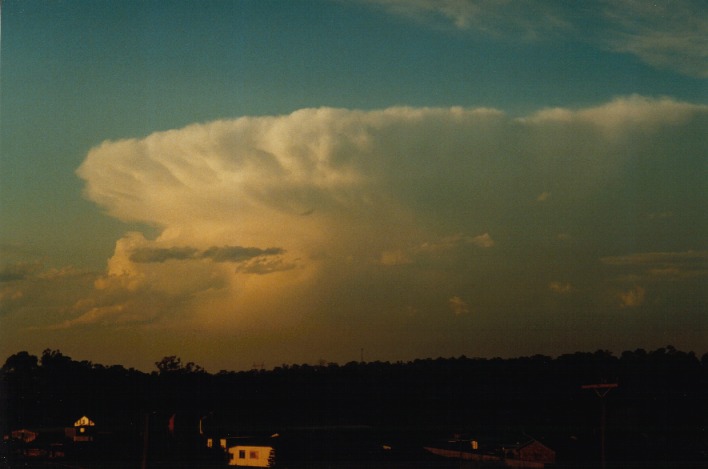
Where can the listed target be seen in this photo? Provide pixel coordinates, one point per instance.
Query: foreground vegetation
(658, 412)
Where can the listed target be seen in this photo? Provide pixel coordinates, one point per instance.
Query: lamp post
(601, 391)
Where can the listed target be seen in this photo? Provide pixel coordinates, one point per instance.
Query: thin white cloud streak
(659, 266)
(670, 35)
(660, 258)
(440, 247)
(562, 288)
(337, 194)
(526, 19)
(621, 115)
(458, 306)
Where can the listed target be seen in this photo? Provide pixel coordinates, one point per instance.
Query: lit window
(253, 455)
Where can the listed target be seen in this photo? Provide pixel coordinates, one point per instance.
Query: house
(531, 453)
(84, 422)
(301, 446)
(251, 455)
(47, 442)
(24, 435)
(84, 430)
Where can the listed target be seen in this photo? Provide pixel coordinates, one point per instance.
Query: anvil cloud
(285, 221)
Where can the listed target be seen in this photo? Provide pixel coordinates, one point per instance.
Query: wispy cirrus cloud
(528, 20)
(671, 35)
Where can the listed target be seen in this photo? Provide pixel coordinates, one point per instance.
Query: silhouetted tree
(19, 389)
(659, 410)
(171, 364)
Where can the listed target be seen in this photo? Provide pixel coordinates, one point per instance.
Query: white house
(251, 456)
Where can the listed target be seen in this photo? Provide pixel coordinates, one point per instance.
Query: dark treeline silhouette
(658, 412)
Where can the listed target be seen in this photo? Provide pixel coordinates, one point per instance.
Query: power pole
(601, 391)
(146, 439)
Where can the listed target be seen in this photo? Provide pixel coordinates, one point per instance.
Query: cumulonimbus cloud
(347, 192)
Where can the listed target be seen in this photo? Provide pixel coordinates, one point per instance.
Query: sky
(259, 182)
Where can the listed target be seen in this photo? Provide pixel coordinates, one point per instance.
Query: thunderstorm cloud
(406, 209)
(447, 192)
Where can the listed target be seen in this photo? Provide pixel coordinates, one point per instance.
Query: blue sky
(392, 175)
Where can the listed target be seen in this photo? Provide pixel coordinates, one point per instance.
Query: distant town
(587, 409)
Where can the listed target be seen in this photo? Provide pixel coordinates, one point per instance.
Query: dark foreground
(442, 464)
(655, 416)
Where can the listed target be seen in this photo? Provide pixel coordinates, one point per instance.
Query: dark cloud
(147, 255)
(238, 253)
(215, 253)
(20, 271)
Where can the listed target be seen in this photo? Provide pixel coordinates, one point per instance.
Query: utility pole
(146, 439)
(601, 391)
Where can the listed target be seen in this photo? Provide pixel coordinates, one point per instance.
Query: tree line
(658, 411)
